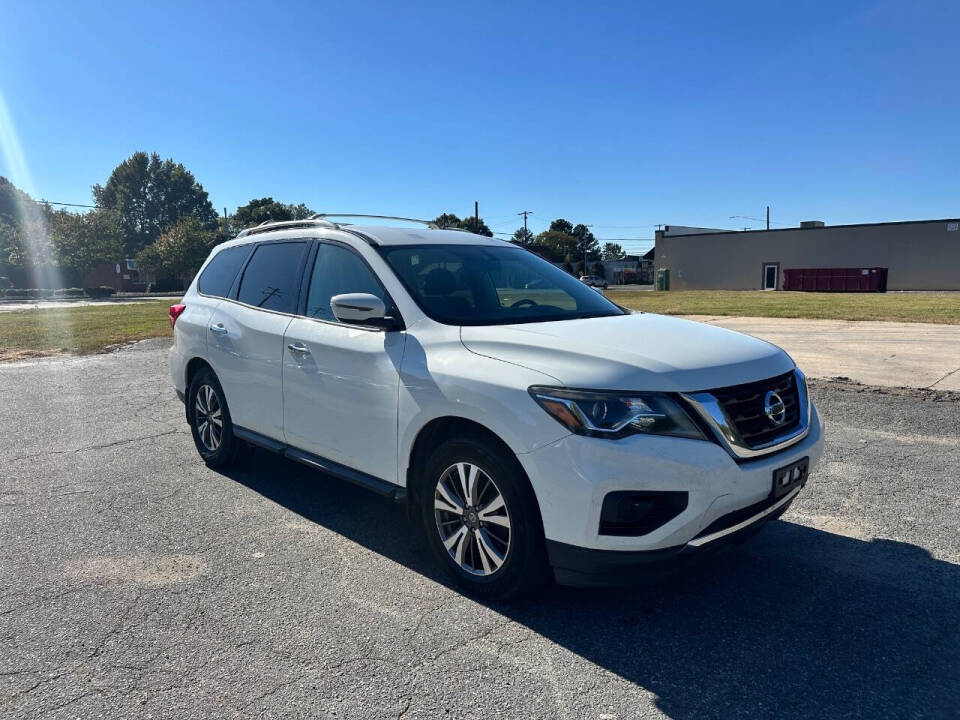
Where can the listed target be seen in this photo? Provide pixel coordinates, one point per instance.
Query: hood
(632, 352)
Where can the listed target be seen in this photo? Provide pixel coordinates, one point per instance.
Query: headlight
(612, 414)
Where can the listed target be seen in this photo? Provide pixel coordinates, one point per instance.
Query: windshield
(490, 285)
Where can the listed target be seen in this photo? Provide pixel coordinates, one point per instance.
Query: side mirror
(361, 309)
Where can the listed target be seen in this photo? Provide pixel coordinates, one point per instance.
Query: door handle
(298, 348)
(218, 329)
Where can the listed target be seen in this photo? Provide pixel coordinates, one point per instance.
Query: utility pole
(768, 217)
(476, 216)
(525, 213)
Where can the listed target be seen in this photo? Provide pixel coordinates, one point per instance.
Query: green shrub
(165, 285)
(99, 292)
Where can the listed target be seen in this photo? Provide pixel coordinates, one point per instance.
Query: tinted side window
(338, 270)
(272, 278)
(218, 276)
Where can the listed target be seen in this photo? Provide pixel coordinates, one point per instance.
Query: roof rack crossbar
(429, 223)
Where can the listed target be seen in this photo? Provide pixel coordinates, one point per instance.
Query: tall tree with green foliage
(447, 220)
(470, 224)
(557, 245)
(522, 237)
(562, 226)
(180, 251)
(613, 251)
(81, 240)
(26, 253)
(586, 243)
(151, 195)
(260, 210)
(476, 226)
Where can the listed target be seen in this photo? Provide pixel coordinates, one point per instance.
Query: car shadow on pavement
(796, 623)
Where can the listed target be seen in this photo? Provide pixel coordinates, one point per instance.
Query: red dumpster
(835, 279)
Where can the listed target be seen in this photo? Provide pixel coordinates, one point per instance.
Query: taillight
(175, 312)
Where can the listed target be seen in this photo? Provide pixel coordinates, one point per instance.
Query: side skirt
(378, 485)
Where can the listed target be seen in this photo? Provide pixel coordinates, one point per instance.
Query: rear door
(341, 381)
(214, 284)
(245, 336)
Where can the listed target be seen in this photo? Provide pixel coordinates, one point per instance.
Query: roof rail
(268, 225)
(429, 223)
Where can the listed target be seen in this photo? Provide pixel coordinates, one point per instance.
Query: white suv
(534, 428)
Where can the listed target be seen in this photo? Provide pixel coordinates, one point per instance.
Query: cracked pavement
(136, 582)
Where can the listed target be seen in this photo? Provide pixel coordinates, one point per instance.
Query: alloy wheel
(208, 417)
(472, 518)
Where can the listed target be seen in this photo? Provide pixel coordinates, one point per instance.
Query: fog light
(639, 512)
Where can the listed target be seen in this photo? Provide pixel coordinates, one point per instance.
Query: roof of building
(812, 229)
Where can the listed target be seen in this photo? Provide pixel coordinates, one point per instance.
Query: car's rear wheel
(481, 518)
(210, 422)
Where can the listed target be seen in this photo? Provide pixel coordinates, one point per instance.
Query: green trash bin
(663, 279)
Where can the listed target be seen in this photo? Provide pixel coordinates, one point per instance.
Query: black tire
(524, 564)
(228, 450)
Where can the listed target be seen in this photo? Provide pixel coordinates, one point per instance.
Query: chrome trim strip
(697, 542)
(707, 407)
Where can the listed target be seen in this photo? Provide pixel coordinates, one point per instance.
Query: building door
(771, 276)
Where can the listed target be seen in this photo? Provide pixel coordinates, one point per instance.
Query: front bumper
(583, 567)
(572, 476)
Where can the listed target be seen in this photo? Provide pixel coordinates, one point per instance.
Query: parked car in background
(535, 429)
(594, 281)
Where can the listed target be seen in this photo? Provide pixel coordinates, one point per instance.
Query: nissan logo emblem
(774, 408)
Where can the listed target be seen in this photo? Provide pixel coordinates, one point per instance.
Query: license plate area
(790, 476)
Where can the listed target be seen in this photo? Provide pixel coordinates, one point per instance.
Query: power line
(52, 202)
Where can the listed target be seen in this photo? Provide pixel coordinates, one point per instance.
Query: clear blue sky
(620, 115)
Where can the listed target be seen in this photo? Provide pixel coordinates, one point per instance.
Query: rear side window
(272, 277)
(338, 270)
(221, 271)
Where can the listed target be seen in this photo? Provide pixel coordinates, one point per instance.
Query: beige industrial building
(919, 255)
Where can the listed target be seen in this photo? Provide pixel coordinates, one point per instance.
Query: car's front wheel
(481, 518)
(210, 422)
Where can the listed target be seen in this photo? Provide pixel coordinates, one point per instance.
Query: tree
(260, 210)
(180, 251)
(151, 195)
(470, 224)
(476, 226)
(559, 246)
(25, 247)
(522, 237)
(562, 226)
(12, 250)
(447, 220)
(613, 251)
(586, 243)
(82, 240)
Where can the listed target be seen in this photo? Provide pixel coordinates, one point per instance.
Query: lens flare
(40, 256)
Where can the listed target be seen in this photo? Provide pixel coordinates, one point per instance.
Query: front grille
(744, 405)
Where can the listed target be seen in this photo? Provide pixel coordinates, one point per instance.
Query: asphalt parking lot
(135, 582)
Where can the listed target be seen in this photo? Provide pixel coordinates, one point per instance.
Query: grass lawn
(905, 307)
(85, 329)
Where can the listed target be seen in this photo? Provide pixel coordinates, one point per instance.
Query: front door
(245, 343)
(771, 276)
(341, 381)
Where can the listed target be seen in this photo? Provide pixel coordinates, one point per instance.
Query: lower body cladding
(611, 508)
